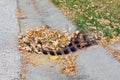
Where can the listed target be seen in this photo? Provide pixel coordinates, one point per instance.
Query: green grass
(99, 18)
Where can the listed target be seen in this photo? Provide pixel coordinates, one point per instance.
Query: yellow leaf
(96, 46)
(54, 57)
(64, 39)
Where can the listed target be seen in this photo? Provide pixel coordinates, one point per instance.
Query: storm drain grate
(35, 41)
(76, 44)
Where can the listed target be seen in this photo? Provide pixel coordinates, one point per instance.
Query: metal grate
(76, 44)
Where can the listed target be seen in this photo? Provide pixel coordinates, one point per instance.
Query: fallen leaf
(54, 57)
(20, 15)
(104, 21)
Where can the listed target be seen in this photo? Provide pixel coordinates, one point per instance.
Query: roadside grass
(96, 18)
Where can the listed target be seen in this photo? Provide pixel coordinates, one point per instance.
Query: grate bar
(72, 47)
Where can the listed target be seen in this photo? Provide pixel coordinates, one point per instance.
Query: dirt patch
(65, 64)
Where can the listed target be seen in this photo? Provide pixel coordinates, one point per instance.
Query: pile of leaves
(43, 38)
(49, 39)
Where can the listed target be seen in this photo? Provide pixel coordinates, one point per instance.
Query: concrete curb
(9, 56)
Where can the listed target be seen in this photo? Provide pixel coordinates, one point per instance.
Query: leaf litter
(30, 42)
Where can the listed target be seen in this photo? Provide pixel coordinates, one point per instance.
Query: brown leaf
(20, 15)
